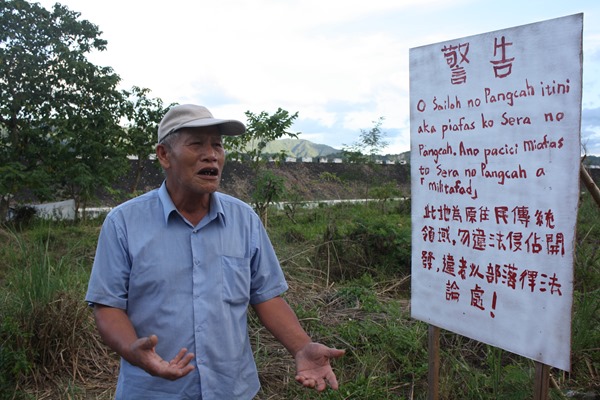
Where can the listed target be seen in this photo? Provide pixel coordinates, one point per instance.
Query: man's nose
(209, 153)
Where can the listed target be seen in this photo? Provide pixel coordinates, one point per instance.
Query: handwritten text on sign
(495, 122)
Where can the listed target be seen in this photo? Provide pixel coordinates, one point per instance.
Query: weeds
(46, 332)
(348, 267)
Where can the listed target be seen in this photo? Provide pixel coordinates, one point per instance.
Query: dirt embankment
(320, 181)
(309, 181)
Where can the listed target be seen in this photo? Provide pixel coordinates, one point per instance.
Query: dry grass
(70, 359)
(276, 367)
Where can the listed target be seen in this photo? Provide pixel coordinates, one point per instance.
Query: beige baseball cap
(193, 116)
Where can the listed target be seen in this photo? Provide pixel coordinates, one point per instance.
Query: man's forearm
(115, 329)
(277, 316)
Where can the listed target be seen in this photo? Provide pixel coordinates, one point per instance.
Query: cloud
(590, 117)
(590, 131)
(590, 142)
(340, 64)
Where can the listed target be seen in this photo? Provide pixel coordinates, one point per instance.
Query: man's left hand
(313, 369)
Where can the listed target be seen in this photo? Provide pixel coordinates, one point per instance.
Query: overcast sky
(341, 64)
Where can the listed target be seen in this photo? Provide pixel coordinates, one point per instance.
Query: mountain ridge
(300, 148)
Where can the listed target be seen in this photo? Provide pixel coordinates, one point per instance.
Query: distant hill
(299, 148)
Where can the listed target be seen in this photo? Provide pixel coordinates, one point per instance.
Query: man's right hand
(118, 333)
(143, 354)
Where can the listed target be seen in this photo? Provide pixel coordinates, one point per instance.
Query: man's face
(194, 161)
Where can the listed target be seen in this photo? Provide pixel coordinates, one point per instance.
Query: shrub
(385, 245)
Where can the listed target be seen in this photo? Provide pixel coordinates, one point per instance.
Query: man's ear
(162, 153)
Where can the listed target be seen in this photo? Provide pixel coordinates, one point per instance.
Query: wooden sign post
(433, 376)
(495, 155)
(542, 381)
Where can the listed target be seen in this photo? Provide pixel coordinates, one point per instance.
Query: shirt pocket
(236, 279)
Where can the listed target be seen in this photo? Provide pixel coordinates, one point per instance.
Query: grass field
(348, 267)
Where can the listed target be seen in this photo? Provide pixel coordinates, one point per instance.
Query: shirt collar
(215, 211)
(216, 208)
(165, 199)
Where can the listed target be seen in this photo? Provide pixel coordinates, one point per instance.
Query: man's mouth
(209, 172)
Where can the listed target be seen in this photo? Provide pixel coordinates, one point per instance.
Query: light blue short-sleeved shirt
(190, 286)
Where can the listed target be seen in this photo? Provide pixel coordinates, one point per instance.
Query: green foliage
(359, 294)
(329, 177)
(350, 239)
(269, 189)
(587, 251)
(366, 149)
(586, 334)
(362, 308)
(470, 370)
(354, 155)
(386, 350)
(293, 201)
(12, 177)
(484, 372)
(260, 130)
(44, 324)
(59, 113)
(144, 115)
(384, 194)
(370, 143)
(385, 244)
(13, 358)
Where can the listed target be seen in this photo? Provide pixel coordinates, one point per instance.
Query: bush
(20, 217)
(385, 244)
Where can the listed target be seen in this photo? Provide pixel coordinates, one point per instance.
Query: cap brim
(228, 127)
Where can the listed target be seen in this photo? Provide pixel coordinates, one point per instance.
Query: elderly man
(174, 273)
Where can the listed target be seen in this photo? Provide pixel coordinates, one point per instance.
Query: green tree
(85, 152)
(59, 113)
(385, 193)
(269, 189)
(144, 114)
(370, 143)
(260, 130)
